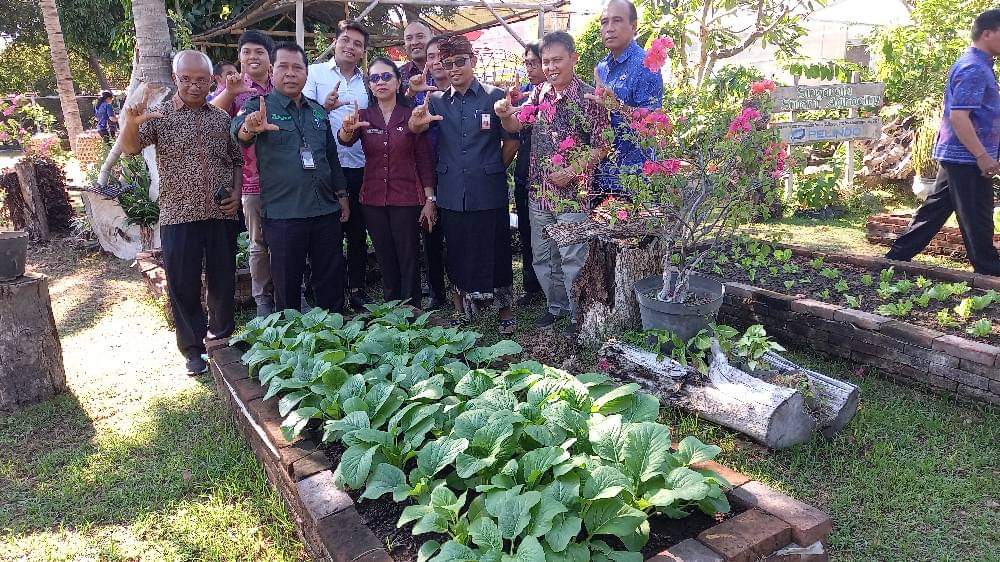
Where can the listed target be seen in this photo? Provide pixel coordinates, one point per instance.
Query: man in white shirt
(338, 85)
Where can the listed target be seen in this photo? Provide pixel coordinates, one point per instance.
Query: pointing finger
(336, 87)
(437, 118)
(362, 124)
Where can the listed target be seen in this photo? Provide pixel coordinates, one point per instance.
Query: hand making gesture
(351, 124)
(422, 117)
(504, 107)
(332, 100)
(139, 113)
(602, 94)
(419, 84)
(256, 122)
(236, 85)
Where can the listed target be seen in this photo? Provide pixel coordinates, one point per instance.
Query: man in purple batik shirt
(966, 149)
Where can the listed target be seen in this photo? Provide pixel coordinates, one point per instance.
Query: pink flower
(656, 56)
(558, 160)
(603, 365)
(567, 144)
(622, 214)
(762, 86)
(743, 123)
(640, 113)
(671, 166)
(9, 111)
(526, 114)
(4, 137)
(17, 99)
(650, 168)
(547, 109)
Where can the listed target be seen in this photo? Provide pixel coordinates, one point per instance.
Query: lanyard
(298, 126)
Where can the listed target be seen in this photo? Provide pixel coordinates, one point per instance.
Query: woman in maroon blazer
(397, 194)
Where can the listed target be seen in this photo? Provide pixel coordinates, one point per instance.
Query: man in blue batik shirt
(966, 149)
(633, 85)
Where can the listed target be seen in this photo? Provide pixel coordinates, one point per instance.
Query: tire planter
(683, 319)
(13, 250)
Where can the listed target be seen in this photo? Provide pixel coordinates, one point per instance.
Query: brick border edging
(885, 228)
(327, 521)
(906, 352)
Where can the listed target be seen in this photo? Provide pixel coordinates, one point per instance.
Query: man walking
(567, 143)
(303, 190)
(473, 154)
(966, 150)
(340, 86)
(253, 81)
(199, 166)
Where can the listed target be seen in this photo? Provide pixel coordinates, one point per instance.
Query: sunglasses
(457, 62)
(383, 77)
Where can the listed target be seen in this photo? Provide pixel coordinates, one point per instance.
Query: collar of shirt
(284, 101)
(475, 89)
(632, 49)
(336, 70)
(982, 56)
(409, 69)
(572, 91)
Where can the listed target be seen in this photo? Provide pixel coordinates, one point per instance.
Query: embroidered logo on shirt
(281, 117)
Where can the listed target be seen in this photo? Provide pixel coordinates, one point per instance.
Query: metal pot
(683, 319)
(13, 249)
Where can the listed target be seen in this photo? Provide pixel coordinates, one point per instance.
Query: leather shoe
(196, 366)
(545, 321)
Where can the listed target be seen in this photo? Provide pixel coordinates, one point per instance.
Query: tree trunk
(834, 402)
(61, 69)
(606, 303)
(98, 70)
(36, 217)
(31, 361)
(775, 416)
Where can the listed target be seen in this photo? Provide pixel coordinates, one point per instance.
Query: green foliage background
(28, 68)
(591, 49)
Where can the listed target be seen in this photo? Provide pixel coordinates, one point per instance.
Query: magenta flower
(603, 365)
(526, 114)
(558, 160)
(567, 144)
(622, 214)
(671, 166)
(656, 56)
(9, 111)
(547, 109)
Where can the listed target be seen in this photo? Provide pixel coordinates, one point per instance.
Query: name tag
(485, 121)
(307, 158)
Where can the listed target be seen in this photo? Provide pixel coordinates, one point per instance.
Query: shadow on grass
(181, 476)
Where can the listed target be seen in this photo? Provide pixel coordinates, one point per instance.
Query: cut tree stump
(835, 402)
(36, 217)
(773, 415)
(31, 361)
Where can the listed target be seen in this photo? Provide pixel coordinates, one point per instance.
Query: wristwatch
(432, 199)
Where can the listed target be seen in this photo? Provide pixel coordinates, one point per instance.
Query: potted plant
(924, 167)
(714, 167)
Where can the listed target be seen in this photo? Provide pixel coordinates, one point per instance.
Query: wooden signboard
(831, 96)
(806, 132)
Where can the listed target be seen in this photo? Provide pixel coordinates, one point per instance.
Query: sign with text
(806, 132)
(831, 96)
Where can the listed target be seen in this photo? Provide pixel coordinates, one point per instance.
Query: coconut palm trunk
(60, 66)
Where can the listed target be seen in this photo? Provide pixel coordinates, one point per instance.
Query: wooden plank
(807, 132)
(36, 217)
(829, 96)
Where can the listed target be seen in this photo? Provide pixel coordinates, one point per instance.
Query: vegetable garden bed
(872, 311)
(521, 486)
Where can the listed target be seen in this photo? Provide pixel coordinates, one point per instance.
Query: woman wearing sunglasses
(397, 194)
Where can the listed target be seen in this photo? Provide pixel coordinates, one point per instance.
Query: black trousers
(291, 242)
(962, 189)
(394, 233)
(355, 231)
(434, 254)
(529, 279)
(188, 249)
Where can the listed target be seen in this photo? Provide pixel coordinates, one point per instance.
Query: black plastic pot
(683, 319)
(13, 249)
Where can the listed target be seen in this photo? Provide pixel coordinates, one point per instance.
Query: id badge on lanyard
(307, 157)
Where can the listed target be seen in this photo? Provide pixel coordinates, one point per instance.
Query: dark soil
(665, 532)
(808, 283)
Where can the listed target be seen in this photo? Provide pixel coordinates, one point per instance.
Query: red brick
(734, 478)
(963, 348)
(808, 523)
(978, 394)
(910, 333)
(310, 464)
(227, 356)
(860, 319)
(345, 537)
(748, 536)
(688, 550)
(816, 308)
(321, 497)
(246, 389)
(992, 373)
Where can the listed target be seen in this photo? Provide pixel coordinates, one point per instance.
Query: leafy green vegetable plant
(945, 319)
(886, 275)
(866, 279)
(841, 286)
(980, 328)
(964, 309)
(900, 308)
(816, 263)
(830, 273)
(852, 301)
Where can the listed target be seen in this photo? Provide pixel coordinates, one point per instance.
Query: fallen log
(834, 402)
(773, 415)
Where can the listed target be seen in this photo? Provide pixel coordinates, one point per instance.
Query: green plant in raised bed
(923, 282)
(984, 301)
(773, 269)
(816, 263)
(945, 319)
(841, 286)
(899, 309)
(866, 279)
(830, 273)
(789, 284)
(964, 309)
(852, 301)
(886, 275)
(805, 280)
(980, 328)
(924, 300)
(790, 268)
(782, 255)
(825, 294)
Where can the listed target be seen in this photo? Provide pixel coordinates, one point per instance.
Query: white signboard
(831, 96)
(806, 132)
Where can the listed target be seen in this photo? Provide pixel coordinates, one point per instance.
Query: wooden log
(31, 361)
(35, 215)
(835, 402)
(773, 415)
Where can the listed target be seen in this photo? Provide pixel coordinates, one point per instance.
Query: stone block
(310, 464)
(985, 282)
(910, 333)
(773, 299)
(963, 348)
(821, 309)
(961, 376)
(740, 290)
(978, 394)
(748, 536)
(297, 450)
(860, 319)
(688, 550)
(734, 478)
(321, 497)
(992, 373)
(794, 552)
(879, 339)
(808, 524)
(227, 356)
(246, 389)
(920, 373)
(929, 356)
(345, 537)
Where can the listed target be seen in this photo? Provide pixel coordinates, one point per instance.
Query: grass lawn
(137, 461)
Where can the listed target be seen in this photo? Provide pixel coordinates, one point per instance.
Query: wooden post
(790, 180)
(300, 24)
(31, 361)
(35, 217)
(849, 163)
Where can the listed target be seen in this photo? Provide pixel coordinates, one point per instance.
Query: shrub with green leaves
(510, 461)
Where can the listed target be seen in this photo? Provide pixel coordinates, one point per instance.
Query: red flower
(527, 113)
(762, 86)
(656, 56)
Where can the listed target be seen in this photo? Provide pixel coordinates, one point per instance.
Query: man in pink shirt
(253, 81)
